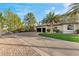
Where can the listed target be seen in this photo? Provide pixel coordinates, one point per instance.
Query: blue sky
(39, 9)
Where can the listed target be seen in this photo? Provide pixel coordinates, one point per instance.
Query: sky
(38, 9)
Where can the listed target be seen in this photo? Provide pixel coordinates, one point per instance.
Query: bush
(77, 31)
(57, 30)
(18, 30)
(48, 30)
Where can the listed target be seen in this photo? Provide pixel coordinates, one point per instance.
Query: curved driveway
(30, 43)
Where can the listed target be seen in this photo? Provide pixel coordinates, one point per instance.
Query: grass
(67, 37)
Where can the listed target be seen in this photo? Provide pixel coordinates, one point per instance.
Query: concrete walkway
(32, 44)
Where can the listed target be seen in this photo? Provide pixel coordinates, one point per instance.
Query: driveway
(31, 44)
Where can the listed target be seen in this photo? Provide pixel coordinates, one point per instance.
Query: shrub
(57, 30)
(48, 30)
(77, 31)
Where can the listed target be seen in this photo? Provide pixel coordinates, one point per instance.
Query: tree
(51, 18)
(73, 13)
(12, 20)
(30, 21)
(17, 22)
(74, 7)
(2, 21)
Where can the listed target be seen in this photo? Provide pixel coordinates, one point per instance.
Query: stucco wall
(65, 30)
(77, 26)
(62, 28)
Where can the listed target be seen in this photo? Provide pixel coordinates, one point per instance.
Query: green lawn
(68, 37)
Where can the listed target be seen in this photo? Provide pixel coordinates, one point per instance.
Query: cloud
(52, 8)
(66, 8)
(66, 4)
(49, 10)
(21, 10)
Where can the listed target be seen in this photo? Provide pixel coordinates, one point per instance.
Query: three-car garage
(41, 29)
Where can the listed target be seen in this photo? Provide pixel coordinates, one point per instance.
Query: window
(70, 27)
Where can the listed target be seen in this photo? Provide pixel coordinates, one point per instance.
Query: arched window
(70, 27)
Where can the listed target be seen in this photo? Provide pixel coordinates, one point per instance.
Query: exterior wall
(65, 29)
(62, 28)
(77, 17)
(76, 26)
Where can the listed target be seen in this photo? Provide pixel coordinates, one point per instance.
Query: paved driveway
(31, 44)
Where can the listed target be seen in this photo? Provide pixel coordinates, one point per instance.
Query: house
(62, 27)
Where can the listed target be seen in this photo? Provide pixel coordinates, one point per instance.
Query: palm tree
(74, 7)
(30, 21)
(73, 13)
(51, 18)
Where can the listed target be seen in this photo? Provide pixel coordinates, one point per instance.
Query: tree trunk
(51, 31)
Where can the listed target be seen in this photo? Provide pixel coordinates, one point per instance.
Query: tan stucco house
(62, 27)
